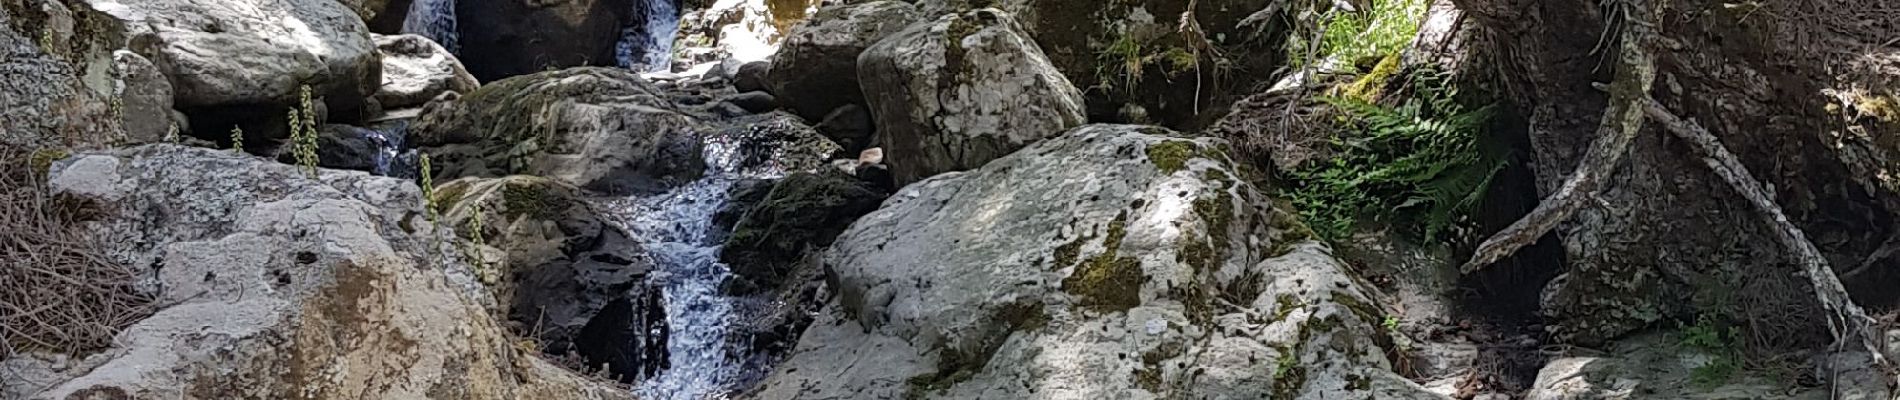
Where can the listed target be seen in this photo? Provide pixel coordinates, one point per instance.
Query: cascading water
(390, 158)
(648, 47)
(433, 19)
(677, 230)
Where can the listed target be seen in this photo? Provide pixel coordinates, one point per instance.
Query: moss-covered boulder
(1112, 261)
(803, 213)
(602, 129)
(816, 69)
(954, 93)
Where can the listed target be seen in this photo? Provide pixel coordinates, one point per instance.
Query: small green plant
(1420, 163)
(1381, 30)
(171, 133)
(303, 132)
(46, 41)
(428, 187)
(1391, 324)
(237, 139)
(475, 245)
(1708, 335)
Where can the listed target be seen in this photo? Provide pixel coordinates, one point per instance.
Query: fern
(1420, 162)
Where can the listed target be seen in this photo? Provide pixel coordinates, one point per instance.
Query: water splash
(433, 19)
(391, 159)
(677, 230)
(648, 47)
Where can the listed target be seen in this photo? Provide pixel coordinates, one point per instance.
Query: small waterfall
(433, 19)
(391, 159)
(677, 230)
(648, 47)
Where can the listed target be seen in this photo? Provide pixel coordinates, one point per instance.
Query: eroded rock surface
(277, 285)
(955, 93)
(416, 69)
(1113, 261)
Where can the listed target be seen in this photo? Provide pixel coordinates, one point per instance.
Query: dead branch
(1847, 321)
(1622, 120)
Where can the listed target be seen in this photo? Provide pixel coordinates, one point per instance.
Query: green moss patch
(1171, 156)
(1108, 282)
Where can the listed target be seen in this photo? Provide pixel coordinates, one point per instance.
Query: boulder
(602, 129)
(750, 77)
(272, 284)
(504, 38)
(145, 98)
(552, 260)
(341, 147)
(220, 54)
(416, 69)
(850, 126)
(803, 212)
(816, 70)
(368, 10)
(777, 141)
(1113, 261)
(756, 102)
(955, 93)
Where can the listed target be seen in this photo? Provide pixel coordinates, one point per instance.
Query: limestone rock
(416, 69)
(247, 52)
(1657, 366)
(277, 285)
(603, 129)
(1112, 261)
(960, 91)
(42, 100)
(144, 96)
(504, 38)
(816, 70)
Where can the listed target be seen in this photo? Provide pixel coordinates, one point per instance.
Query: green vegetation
(237, 139)
(428, 188)
(1353, 36)
(1709, 336)
(1419, 163)
(303, 132)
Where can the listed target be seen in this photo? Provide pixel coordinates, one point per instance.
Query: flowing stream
(433, 19)
(648, 47)
(676, 228)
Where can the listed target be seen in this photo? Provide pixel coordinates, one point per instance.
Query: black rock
(849, 126)
(751, 77)
(755, 102)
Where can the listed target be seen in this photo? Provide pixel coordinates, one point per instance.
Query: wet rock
(803, 212)
(628, 337)
(556, 262)
(227, 57)
(1111, 261)
(416, 69)
(756, 102)
(955, 93)
(816, 71)
(602, 129)
(781, 140)
(504, 38)
(340, 147)
(745, 30)
(850, 126)
(268, 278)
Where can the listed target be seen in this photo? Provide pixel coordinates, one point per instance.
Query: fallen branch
(1622, 120)
(1846, 320)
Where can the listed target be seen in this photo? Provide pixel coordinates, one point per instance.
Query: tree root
(1846, 320)
(1622, 120)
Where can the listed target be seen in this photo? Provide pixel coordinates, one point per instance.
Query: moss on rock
(1108, 282)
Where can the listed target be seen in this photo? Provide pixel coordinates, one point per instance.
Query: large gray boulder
(1658, 366)
(272, 284)
(816, 70)
(416, 69)
(1113, 261)
(248, 52)
(602, 129)
(955, 93)
(43, 103)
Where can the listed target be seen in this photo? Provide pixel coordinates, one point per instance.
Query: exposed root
(1846, 320)
(1622, 120)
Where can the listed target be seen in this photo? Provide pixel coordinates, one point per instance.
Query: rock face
(340, 147)
(145, 98)
(804, 211)
(276, 285)
(554, 263)
(42, 101)
(955, 93)
(504, 38)
(1113, 261)
(1657, 366)
(416, 69)
(816, 70)
(222, 53)
(603, 129)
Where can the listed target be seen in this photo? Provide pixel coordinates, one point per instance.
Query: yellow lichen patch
(1370, 86)
(1881, 107)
